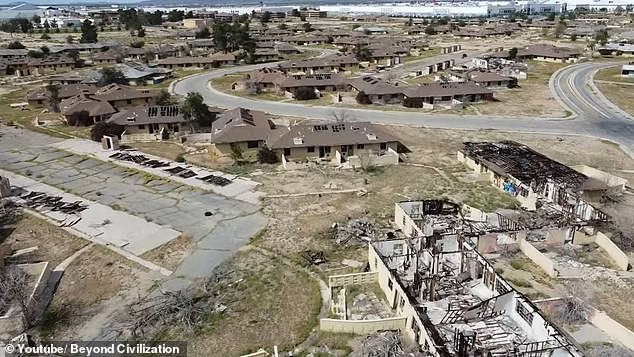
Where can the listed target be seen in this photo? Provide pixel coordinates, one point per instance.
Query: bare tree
(14, 289)
(342, 116)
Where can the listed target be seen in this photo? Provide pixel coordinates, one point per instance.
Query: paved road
(594, 116)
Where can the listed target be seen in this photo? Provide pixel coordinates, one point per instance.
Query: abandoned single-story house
(434, 93)
(96, 110)
(107, 57)
(358, 142)
(120, 96)
(40, 97)
(51, 64)
(378, 92)
(240, 130)
(333, 63)
(549, 53)
(217, 59)
(148, 123)
(321, 82)
(617, 49)
(492, 79)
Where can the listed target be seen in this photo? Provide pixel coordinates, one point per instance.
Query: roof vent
(298, 141)
(371, 136)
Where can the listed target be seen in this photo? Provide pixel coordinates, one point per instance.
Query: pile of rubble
(356, 231)
(384, 344)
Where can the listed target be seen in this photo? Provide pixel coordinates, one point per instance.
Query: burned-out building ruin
(534, 179)
(454, 302)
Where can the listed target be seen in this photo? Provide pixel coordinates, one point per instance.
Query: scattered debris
(383, 344)
(314, 257)
(359, 230)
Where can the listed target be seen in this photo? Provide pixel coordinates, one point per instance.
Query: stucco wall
(362, 327)
(538, 258)
(613, 328)
(618, 257)
(352, 279)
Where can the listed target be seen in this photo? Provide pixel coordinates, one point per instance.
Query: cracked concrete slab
(168, 203)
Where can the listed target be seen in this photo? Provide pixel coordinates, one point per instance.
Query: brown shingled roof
(240, 124)
(353, 133)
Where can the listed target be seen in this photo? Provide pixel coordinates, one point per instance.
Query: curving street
(593, 114)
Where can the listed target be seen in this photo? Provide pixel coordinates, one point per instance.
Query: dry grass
(622, 95)
(273, 305)
(612, 74)
(53, 243)
(164, 149)
(514, 102)
(171, 254)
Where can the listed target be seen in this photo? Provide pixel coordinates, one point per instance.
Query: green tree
(36, 19)
(102, 128)
(164, 98)
(54, 100)
(560, 29)
(88, 32)
(266, 17)
(175, 15)
(140, 32)
(196, 111)
(551, 16)
(602, 36)
(282, 26)
(573, 37)
(203, 33)
(307, 27)
(45, 36)
(111, 75)
(430, 30)
(513, 53)
(362, 53)
(363, 98)
(16, 45)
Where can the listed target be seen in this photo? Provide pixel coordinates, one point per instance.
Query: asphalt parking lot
(220, 225)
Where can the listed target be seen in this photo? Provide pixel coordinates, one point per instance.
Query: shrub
(100, 129)
(267, 156)
(363, 98)
(180, 158)
(413, 102)
(305, 93)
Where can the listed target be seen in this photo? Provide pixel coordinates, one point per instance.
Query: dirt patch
(171, 254)
(54, 244)
(98, 281)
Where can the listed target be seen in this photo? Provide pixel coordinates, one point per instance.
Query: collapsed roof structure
(455, 302)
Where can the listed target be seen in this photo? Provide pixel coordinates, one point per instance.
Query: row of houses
(280, 81)
(541, 52)
(249, 131)
(95, 103)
